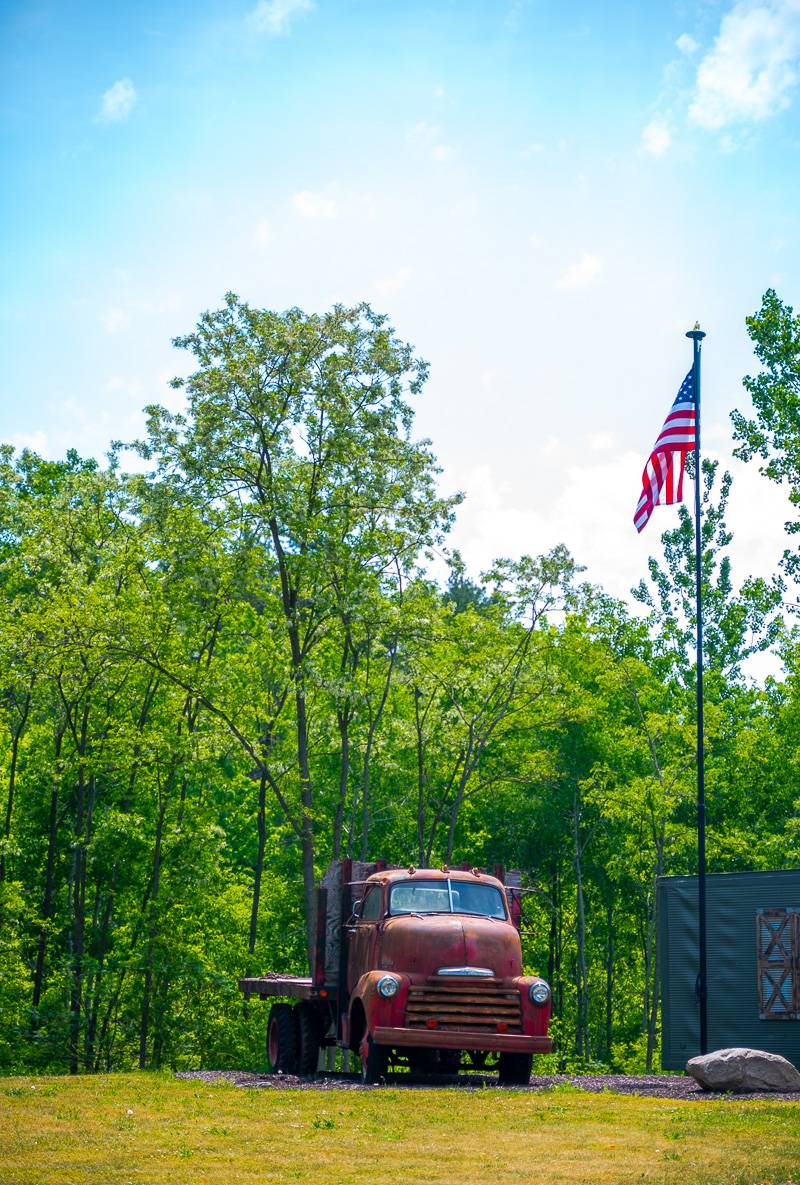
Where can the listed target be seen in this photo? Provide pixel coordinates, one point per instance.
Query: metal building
(753, 922)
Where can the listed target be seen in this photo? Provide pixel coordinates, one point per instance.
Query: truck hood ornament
(476, 971)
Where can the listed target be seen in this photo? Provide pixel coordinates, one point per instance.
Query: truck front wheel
(449, 1061)
(374, 1063)
(282, 1039)
(515, 1069)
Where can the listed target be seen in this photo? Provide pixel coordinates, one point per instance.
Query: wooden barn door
(778, 963)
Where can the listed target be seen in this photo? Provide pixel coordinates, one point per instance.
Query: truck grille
(463, 1006)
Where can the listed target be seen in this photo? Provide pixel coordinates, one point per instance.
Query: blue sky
(543, 197)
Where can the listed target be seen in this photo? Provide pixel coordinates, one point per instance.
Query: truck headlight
(539, 992)
(388, 986)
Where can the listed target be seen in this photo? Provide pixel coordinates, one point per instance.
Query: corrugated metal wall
(733, 900)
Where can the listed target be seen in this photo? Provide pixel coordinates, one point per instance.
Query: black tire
(422, 1061)
(376, 1063)
(282, 1039)
(515, 1069)
(308, 1039)
(449, 1061)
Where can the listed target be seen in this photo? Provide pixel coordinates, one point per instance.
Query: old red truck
(416, 966)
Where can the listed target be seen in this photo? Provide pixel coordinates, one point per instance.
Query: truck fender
(535, 1017)
(377, 1009)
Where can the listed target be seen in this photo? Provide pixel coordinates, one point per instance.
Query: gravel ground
(663, 1086)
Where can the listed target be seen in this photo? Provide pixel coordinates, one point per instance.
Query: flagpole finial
(697, 333)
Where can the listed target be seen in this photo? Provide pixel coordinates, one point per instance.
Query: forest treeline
(228, 667)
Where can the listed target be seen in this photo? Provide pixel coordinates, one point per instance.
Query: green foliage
(773, 434)
(736, 625)
(219, 675)
(14, 975)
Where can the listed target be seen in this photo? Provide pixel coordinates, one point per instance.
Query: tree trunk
(306, 796)
(374, 720)
(84, 816)
(455, 810)
(93, 1042)
(12, 778)
(609, 978)
(259, 866)
(289, 600)
(418, 724)
(343, 717)
(47, 899)
(552, 938)
(159, 1015)
(582, 1026)
(93, 997)
(439, 812)
(83, 823)
(652, 1019)
(306, 827)
(151, 937)
(645, 945)
(555, 957)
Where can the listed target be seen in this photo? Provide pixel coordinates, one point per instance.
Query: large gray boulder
(743, 1069)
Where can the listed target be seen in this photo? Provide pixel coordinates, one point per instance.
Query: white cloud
(37, 442)
(424, 135)
(591, 513)
(749, 73)
(394, 282)
(427, 137)
(687, 44)
(117, 102)
(656, 137)
(316, 206)
(590, 509)
(275, 17)
(601, 441)
(530, 150)
(583, 273)
(263, 234)
(113, 320)
(514, 13)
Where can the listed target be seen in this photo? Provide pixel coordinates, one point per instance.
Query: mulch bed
(661, 1086)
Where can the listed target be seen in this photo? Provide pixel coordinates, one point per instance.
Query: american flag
(662, 480)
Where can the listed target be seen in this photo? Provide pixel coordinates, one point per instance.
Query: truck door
(364, 936)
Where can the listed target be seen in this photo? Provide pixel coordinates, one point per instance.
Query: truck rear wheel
(282, 1039)
(375, 1064)
(515, 1069)
(308, 1039)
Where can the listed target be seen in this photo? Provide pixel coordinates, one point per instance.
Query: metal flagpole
(697, 336)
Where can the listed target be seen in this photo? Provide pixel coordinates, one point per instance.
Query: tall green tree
(772, 433)
(301, 425)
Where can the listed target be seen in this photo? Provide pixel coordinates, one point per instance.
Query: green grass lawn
(153, 1129)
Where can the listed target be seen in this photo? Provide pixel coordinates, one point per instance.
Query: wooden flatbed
(295, 987)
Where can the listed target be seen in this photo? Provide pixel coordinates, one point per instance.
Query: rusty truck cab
(435, 966)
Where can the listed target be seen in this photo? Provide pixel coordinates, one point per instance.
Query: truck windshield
(436, 896)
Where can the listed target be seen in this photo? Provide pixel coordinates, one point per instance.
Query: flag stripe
(662, 479)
